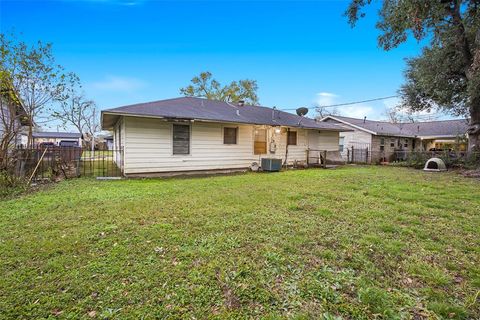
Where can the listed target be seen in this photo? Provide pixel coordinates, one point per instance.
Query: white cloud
(116, 83)
(325, 98)
(359, 111)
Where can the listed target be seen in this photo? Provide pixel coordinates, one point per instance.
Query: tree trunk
(474, 78)
(474, 129)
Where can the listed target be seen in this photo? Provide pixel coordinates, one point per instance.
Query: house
(381, 139)
(109, 142)
(63, 139)
(196, 134)
(13, 117)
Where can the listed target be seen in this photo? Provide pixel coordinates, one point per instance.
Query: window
(382, 148)
(181, 139)
(406, 143)
(340, 144)
(392, 143)
(382, 141)
(260, 141)
(292, 138)
(229, 135)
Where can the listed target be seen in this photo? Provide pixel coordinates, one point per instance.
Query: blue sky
(134, 51)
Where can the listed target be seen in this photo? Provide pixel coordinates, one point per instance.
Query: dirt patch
(231, 300)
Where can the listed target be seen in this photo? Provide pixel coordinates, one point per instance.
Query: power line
(348, 103)
(357, 102)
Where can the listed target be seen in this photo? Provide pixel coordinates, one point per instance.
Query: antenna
(302, 111)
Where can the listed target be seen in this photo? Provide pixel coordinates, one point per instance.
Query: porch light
(278, 130)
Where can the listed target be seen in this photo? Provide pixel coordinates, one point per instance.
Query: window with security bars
(292, 138)
(181, 139)
(230, 135)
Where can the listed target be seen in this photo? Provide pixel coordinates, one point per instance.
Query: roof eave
(125, 114)
(349, 124)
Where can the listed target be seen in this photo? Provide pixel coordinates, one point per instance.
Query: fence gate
(359, 154)
(101, 163)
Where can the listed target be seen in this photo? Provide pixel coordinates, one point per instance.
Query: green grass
(97, 155)
(350, 243)
(104, 168)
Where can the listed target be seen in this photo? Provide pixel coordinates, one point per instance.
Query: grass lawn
(351, 243)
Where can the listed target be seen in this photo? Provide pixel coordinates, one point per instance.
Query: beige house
(13, 117)
(194, 134)
(381, 140)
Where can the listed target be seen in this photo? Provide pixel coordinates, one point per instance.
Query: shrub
(10, 184)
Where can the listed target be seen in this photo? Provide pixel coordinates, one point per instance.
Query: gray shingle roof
(432, 128)
(59, 135)
(210, 110)
(439, 128)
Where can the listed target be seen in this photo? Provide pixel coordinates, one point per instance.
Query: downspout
(286, 149)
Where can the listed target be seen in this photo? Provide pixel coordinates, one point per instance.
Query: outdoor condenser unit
(271, 164)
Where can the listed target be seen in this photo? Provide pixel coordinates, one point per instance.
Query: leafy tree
(447, 73)
(34, 76)
(205, 86)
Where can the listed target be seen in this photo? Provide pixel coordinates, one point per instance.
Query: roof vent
(364, 119)
(241, 103)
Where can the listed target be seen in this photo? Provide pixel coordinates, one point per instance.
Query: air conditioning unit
(271, 164)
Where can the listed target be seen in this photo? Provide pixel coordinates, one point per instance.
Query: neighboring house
(65, 139)
(13, 117)
(382, 139)
(104, 142)
(195, 134)
(108, 142)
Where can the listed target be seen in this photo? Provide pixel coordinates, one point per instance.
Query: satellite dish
(302, 111)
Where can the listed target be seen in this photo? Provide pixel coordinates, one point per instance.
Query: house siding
(148, 146)
(356, 138)
(7, 116)
(388, 149)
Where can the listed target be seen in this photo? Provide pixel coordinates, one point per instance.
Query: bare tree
(92, 125)
(323, 111)
(75, 111)
(394, 115)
